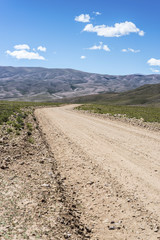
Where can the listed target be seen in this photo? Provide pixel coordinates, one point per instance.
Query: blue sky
(110, 37)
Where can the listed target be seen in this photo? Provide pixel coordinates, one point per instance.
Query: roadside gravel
(35, 203)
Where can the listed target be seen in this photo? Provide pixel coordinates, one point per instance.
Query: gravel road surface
(112, 167)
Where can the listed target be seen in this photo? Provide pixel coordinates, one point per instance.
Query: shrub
(17, 132)
(29, 126)
(9, 130)
(30, 140)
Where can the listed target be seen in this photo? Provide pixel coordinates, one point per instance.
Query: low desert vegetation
(20, 110)
(16, 117)
(147, 114)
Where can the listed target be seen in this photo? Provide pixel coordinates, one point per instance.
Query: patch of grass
(29, 126)
(31, 140)
(20, 122)
(149, 114)
(9, 130)
(8, 108)
(17, 126)
(17, 133)
(10, 122)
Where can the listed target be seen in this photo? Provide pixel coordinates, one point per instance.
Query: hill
(147, 94)
(42, 84)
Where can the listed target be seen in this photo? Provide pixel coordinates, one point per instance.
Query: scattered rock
(67, 235)
(45, 185)
(111, 227)
(90, 183)
(156, 229)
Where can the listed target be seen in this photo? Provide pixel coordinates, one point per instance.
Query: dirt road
(112, 167)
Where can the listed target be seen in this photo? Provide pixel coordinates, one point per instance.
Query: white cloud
(23, 54)
(154, 62)
(106, 48)
(96, 47)
(83, 57)
(100, 47)
(154, 70)
(130, 50)
(133, 50)
(82, 18)
(124, 50)
(118, 30)
(42, 49)
(21, 47)
(97, 13)
(141, 33)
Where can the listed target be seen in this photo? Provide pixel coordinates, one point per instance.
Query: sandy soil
(112, 167)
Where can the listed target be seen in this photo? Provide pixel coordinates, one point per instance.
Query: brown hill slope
(147, 94)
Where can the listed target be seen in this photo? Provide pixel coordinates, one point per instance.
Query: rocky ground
(35, 203)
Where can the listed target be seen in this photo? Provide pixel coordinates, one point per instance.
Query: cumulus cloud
(130, 50)
(154, 70)
(83, 57)
(154, 62)
(42, 49)
(24, 54)
(100, 47)
(82, 18)
(23, 51)
(21, 47)
(118, 30)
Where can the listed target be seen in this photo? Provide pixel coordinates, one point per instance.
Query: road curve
(113, 168)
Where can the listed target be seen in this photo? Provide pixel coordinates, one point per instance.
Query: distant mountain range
(43, 84)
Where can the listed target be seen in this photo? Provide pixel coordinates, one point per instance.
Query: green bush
(17, 126)
(29, 126)
(17, 132)
(31, 140)
(9, 130)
